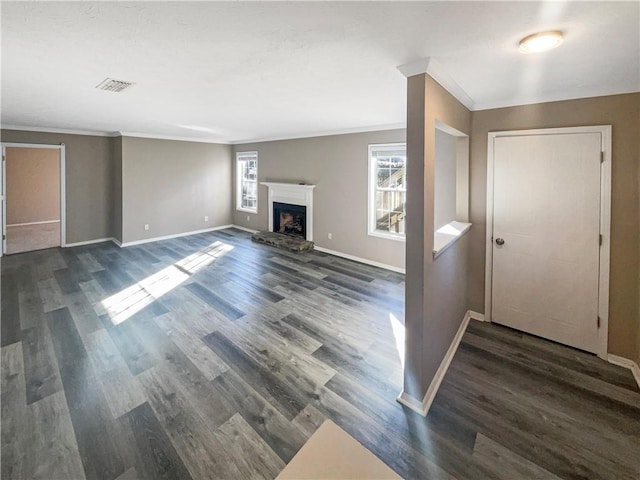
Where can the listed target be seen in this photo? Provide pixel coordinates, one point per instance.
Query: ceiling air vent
(113, 85)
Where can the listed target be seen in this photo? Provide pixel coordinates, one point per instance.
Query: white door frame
(63, 203)
(605, 220)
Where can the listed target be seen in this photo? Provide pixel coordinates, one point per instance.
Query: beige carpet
(331, 453)
(25, 238)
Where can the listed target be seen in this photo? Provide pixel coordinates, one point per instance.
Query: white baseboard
(626, 363)
(175, 235)
(476, 316)
(361, 260)
(423, 407)
(89, 242)
(250, 230)
(32, 223)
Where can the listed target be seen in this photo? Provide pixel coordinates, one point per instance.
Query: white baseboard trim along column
(626, 363)
(423, 407)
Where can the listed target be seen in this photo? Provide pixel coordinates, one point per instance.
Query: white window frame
(373, 188)
(242, 157)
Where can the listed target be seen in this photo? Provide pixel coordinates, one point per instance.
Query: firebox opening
(290, 219)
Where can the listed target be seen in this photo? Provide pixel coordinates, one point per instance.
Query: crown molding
(68, 131)
(548, 99)
(432, 68)
(172, 137)
(343, 131)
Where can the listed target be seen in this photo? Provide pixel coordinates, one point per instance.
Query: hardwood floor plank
(254, 288)
(40, 365)
(122, 391)
(84, 316)
(255, 457)
(272, 426)
(200, 450)
(205, 360)
(341, 270)
(309, 420)
(158, 457)
(288, 401)
(49, 419)
(13, 413)
(89, 263)
(216, 302)
(88, 409)
(67, 281)
(30, 303)
(508, 463)
(50, 293)
(131, 346)
(10, 326)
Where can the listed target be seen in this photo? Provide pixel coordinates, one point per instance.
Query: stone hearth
(285, 242)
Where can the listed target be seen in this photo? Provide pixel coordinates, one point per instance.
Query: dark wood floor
(190, 359)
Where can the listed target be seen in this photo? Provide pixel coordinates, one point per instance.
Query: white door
(546, 236)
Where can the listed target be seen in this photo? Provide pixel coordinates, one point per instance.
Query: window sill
(397, 238)
(255, 212)
(447, 235)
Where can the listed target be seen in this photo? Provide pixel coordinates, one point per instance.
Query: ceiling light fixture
(539, 42)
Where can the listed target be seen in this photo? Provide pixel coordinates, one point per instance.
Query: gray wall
(623, 113)
(436, 289)
(33, 185)
(338, 165)
(89, 182)
(171, 185)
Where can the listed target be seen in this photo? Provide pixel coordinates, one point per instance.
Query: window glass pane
(247, 171)
(389, 194)
(382, 200)
(383, 175)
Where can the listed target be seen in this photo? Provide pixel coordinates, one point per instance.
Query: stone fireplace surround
(295, 194)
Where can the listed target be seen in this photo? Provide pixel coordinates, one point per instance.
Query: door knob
(499, 241)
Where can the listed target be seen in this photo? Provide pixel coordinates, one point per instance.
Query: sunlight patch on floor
(131, 300)
(398, 333)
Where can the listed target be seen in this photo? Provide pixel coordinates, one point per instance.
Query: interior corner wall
(172, 185)
(88, 179)
(338, 165)
(436, 292)
(623, 113)
(116, 217)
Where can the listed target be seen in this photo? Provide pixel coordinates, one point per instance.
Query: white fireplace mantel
(294, 194)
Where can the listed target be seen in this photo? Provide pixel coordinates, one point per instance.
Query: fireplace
(290, 219)
(296, 195)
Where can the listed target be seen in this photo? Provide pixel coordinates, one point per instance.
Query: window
(387, 190)
(247, 184)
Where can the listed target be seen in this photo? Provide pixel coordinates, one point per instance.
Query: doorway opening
(33, 197)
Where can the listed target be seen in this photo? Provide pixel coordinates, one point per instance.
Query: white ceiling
(237, 71)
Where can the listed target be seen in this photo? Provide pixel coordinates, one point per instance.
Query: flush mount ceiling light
(539, 42)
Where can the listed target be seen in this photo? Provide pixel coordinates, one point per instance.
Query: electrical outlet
(206, 218)
(248, 218)
(330, 236)
(146, 226)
